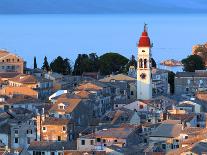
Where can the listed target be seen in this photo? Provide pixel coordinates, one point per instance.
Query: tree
(171, 79)
(154, 65)
(67, 67)
(35, 63)
(131, 62)
(192, 63)
(45, 65)
(112, 63)
(86, 63)
(61, 66)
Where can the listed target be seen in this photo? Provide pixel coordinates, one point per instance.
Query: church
(144, 69)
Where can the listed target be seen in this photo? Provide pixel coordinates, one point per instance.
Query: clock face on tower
(143, 75)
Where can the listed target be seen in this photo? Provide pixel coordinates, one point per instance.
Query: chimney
(39, 124)
(43, 115)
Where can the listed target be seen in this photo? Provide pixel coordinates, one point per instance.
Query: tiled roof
(55, 121)
(169, 128)
(182, 117)
(9, 74)
(50, 146)
(112, 133)
(76, 152)
(70, 105)
(118, 77)
(83, 94)
(28, 79)
(20, 99)
(24, 79)
(191, 74)
(88, 86)
(192, 130)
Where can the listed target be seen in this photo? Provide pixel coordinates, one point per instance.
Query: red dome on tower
(144, 40)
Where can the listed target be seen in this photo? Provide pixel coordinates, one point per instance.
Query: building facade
(10, 62)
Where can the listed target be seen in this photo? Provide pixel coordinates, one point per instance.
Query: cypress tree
(35, 63)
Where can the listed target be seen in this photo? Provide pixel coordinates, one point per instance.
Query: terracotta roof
(112, 133)
(20, 99)
(118, 77)
(76, 152)
(192, 130)
(70, 105)
(24, 79)
(83, 94)
(9, 75)
(3, 52)
(55, 121)
(182, 117)
(88, 86)
(51, 146)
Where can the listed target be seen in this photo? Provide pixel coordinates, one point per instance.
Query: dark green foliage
(154, 65)
(61, 66)
(35, 63)
(131, 62)
(192, 63)
(45, 65)
(86, 63)
(171, 79)
(112, 63)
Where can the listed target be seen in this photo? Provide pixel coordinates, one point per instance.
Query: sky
(69, 27)
(102, 6)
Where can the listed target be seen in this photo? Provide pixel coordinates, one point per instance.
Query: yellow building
(10, 62)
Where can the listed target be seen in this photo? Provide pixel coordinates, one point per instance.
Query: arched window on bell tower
(145, 63)
(140, 63)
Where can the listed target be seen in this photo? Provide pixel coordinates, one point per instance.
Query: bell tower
(144, 72)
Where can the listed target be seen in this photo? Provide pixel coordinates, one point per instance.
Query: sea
(67, 35)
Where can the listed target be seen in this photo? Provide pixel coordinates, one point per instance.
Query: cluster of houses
(46, 113)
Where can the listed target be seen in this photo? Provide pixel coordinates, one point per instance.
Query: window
(43, 128)
(140, 63)
(64, 128)
(2, 60)
(145, 63)
(59, 138)
(28, 140)
(60, 153)
(141, 106)
(132, 92)
(117, 105)
(82, 142)
(61, 107)
(163, 146)
(17, 60)
(115, 140)
(16, 140)
(92, 142)
(2, 67)
(52, 153)
(98, 139)
(143, 51)
(16, 131)
(149, 120)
